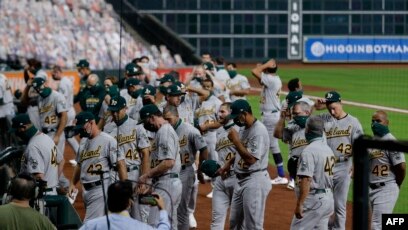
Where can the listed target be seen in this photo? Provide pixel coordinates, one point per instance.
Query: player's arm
(161, 168)
(304, 189)
(280, 126)
(75, 178)
(202, 157)
(122, 170)
(257, 71)
(399, 171)
(24, 98)
(213, 125)
(145, 155)
(200, 92)
(240, 92)
(62, 123)
(223, 171)
(242, 151)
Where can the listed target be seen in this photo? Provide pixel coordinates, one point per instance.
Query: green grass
(376, 85)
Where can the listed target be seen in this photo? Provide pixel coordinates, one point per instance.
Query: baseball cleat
(73, 162)
(210, 195)
(291, 184)
(192, 221)
(279, 180)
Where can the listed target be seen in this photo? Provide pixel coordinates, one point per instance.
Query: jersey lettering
(50, 119)
(242, 164)
(328, 166)
(381, 170)
(344, 149)
(54, 156)
(94, 167)
(185, 159)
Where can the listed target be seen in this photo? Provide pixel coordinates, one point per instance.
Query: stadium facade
(247, 30)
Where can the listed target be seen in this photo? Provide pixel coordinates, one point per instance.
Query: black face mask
(182, 98)
(25, 136)
(162, 89)
(135, 94)
(146, 101)
(150, 127)
(93, 89)
(238, 122)
(83, 133)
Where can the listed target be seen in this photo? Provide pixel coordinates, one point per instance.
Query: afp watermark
(394, 221)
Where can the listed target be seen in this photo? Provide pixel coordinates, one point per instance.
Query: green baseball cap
(132, 82)
(208, 66)
(83, 63)
(117, 103)
(82, 118)
(238, 107)
(37, 82)
(132, 69)
(113, 90)
(292, 98)
(181, 84)
(209, 167)
(174, 90)
(332, 96)
(19, 120)
(167, 78)
(148, 90)
(147, 111)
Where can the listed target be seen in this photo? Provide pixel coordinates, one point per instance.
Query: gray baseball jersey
(254, 184)
(130, 101)
(190, 141)
(271, 87)
(104, 113)
(256, 141)
(98, 153)
(131, 138)
(340, 136)
(165, 145)
(66, 88)
(381, 162)
(6, 107)
(222, 75)
(385, 195)
(316, 161)
(224, 147)
(239, 82)
(41, 156)
(49, 108)
(294, 135)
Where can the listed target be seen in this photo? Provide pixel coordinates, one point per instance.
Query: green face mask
(45, 92)
(232, 73)
(26, 135)
(301, 120)
(379, 129)
(162, 89)
(136, 94)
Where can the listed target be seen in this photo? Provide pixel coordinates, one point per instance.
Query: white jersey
(224, 147)
(6, 106)
(271, 87)
(222, 75)
(66, 88)
(295, 136)
(239, 82)
(207, 113)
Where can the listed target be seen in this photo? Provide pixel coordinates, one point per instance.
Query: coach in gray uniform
(250, 166)
(224, 184)
(165, 162)
(133, 143)
(270, 109)
(190, 141)
(315, 180)
(40, 158)
(387, 172)
(97, 152)
(341, 130)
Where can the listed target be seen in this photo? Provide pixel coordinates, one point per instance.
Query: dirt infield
(278, 213)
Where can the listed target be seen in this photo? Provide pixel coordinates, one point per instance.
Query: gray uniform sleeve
(254, 146)
(396, 157)
(142, 138)
(113, 152)
(306, 165)
(199, 141)
(244, 83)
(357, 131)
(61, 104)
(35, 163)
(166, 147)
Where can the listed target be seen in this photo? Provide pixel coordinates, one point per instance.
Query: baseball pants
(70, 119)
(341, 184)
(222, 195)
(193, 196)
(382, 200)
(248, 201)
(270, 120)
(172, 187)
(93, 201)
(317, 209)
(187, 177)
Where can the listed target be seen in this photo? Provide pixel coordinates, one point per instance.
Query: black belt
(319, 190)
(88, 186)
(342, 159)
(170, 175)
(50, 189)
(129, 168)
(185, 166)
(273, 111)
(48, 130)
(241, 176)
(377, 185)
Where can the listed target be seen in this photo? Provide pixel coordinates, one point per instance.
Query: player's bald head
(92, 79)
(315, 125)
(170, 109)
(381, 117)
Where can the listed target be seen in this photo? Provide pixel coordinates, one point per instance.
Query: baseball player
(165, 162)
(91, 99)
(238, 82)
(6, 110)
(190, 141)
(133, 97)
(105, 116)
(97, 154)
(294, 135)
(84, 71)
(341, 130)
(315, 180)
(176, 96)
(223, 186)
(40, 158)
(387, 172)
(270, 110)
(250, 167)
(133, 143)
(66, 88)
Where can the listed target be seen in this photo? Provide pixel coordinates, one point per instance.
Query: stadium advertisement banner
(355, 49)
